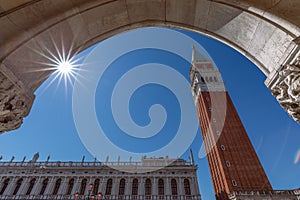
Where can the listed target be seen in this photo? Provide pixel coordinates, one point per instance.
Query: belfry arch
(266, 32)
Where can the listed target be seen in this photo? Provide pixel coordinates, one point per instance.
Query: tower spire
(192, 157)
(197, 56)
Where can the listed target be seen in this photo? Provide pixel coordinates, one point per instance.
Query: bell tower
(233, 163)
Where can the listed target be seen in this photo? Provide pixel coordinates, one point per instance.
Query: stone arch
(266, 32)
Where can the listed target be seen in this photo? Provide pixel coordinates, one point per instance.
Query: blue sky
(50, 128)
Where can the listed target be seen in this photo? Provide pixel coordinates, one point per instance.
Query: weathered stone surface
(286, 89)
(181, 12)
(15, 102)
(150, 10)
(287, 10)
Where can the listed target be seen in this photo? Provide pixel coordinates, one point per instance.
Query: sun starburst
(63, 62)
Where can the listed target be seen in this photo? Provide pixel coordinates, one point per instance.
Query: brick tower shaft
(233, 162)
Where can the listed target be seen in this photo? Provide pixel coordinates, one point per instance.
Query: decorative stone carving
(15, 103)
(286, 89)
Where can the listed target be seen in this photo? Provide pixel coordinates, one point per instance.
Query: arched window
(70, 186)
(96, 186)
(215, 79)
(18, 185)
(83, 186)
(202, 79)
(161, 187)
(174, 187)
(187, 188)
(148, 187)
(56, 186)
(122, 187)
(31, 184)
(4, 186)
(135, 187)
(210, 79)
(108, 187)
(44, 185)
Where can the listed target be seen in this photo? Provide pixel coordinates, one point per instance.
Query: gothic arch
(266, 32)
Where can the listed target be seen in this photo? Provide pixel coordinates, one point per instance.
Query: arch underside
(262, 32)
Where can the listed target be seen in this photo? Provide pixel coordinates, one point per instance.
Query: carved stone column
(285, 86)
(15, 101)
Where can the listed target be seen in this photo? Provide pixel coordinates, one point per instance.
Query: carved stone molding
(15, 101)
(286, 88)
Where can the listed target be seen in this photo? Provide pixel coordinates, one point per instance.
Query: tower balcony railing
(107, 197)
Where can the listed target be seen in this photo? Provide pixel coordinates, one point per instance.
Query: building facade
(234, 166)
(152, 178)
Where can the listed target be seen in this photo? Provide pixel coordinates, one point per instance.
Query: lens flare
(297, 157)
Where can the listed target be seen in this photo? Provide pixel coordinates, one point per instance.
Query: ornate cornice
(286, 88)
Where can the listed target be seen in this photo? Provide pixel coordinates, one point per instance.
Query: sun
(65, 67)
(63, 63)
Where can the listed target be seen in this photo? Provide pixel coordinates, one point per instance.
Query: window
(161, 187)
(148, 187)
(5, 184)
(96, 186)
(135, 185)
(218, 133)
(215, 79)
(210, 79)
(108, 187)
(227, 163)
(44, 185)
(31, 184)
(234, 183)
(223, 147)
(174, 187)
(187, 188)
(70, 186)
(18, 185)
(82, 186)
(214, 120)
(122, 187)
(202, 79)
(56, 186)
